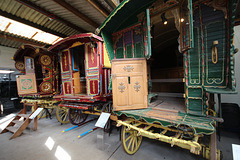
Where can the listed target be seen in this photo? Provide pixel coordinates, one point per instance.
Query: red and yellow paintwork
(97, 69)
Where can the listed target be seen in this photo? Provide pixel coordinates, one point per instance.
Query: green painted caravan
(189, 51)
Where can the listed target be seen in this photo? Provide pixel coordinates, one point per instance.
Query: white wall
(6, 62)
(235, 98)
(6, 53)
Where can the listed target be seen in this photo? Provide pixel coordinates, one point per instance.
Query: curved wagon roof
(24, 50)
(127, 10)
(27, 50)
(69, 41)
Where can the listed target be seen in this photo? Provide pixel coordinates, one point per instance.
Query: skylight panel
(24, 30)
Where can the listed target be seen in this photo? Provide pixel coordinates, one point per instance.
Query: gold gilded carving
(94, 89)
(68, 91)
(76, 44)
(65, 61)
(128, 68)
(45, 60)
(92, 55)
(137, 86)
(121, 87)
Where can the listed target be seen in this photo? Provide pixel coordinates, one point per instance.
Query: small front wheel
(130, 140)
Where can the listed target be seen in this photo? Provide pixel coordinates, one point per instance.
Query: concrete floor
(48, 142)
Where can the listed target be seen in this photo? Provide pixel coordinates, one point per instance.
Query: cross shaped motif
(121, 87)
(128, 68)
(137, 86)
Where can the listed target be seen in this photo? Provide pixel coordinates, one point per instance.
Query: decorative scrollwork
(46, 87)
(45, 60)
(20, 66)
(128, 68)
(121, 87)
(27, 84)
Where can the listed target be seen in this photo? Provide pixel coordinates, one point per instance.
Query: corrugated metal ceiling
(53, 17)
(59, 17)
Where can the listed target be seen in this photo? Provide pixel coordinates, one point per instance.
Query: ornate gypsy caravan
(169, 58)
(85, 74)
(40, 80)
(36, 86)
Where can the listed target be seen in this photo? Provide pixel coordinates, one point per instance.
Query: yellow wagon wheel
(43, 113)
(62, 114)
(130, 140)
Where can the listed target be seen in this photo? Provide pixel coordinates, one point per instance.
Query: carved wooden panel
(129, 80)
(120, 87)
(26, 84)
(76, 82)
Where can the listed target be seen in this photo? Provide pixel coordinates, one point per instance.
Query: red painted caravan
(85, 74)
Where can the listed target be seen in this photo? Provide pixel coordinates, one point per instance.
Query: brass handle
(214, 52)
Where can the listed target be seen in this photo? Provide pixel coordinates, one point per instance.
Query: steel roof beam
(50, 15)
(112, 3)
(99, 8)
(76, 12)
(8, 15)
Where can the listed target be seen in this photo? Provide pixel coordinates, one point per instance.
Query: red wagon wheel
(76, 116)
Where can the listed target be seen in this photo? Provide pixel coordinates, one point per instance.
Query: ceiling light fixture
(164, 19)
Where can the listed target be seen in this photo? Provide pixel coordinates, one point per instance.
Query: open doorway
(79, 75)
(165, 67)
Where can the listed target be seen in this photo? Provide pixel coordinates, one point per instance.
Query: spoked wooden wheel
(44, 113)
(76, 116)
(187, 132)
(130, 140)
(62, 114)
(107, 108)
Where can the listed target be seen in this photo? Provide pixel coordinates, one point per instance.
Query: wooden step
(18, 122)
(12, 129)
(24, 115)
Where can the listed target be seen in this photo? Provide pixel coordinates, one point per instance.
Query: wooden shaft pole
(35, 119)
(213, 146)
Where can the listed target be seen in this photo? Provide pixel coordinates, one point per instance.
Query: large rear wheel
(62, 114)
(76, 116)
(131, 141)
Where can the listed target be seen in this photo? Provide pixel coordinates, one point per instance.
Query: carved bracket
(128, 68)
